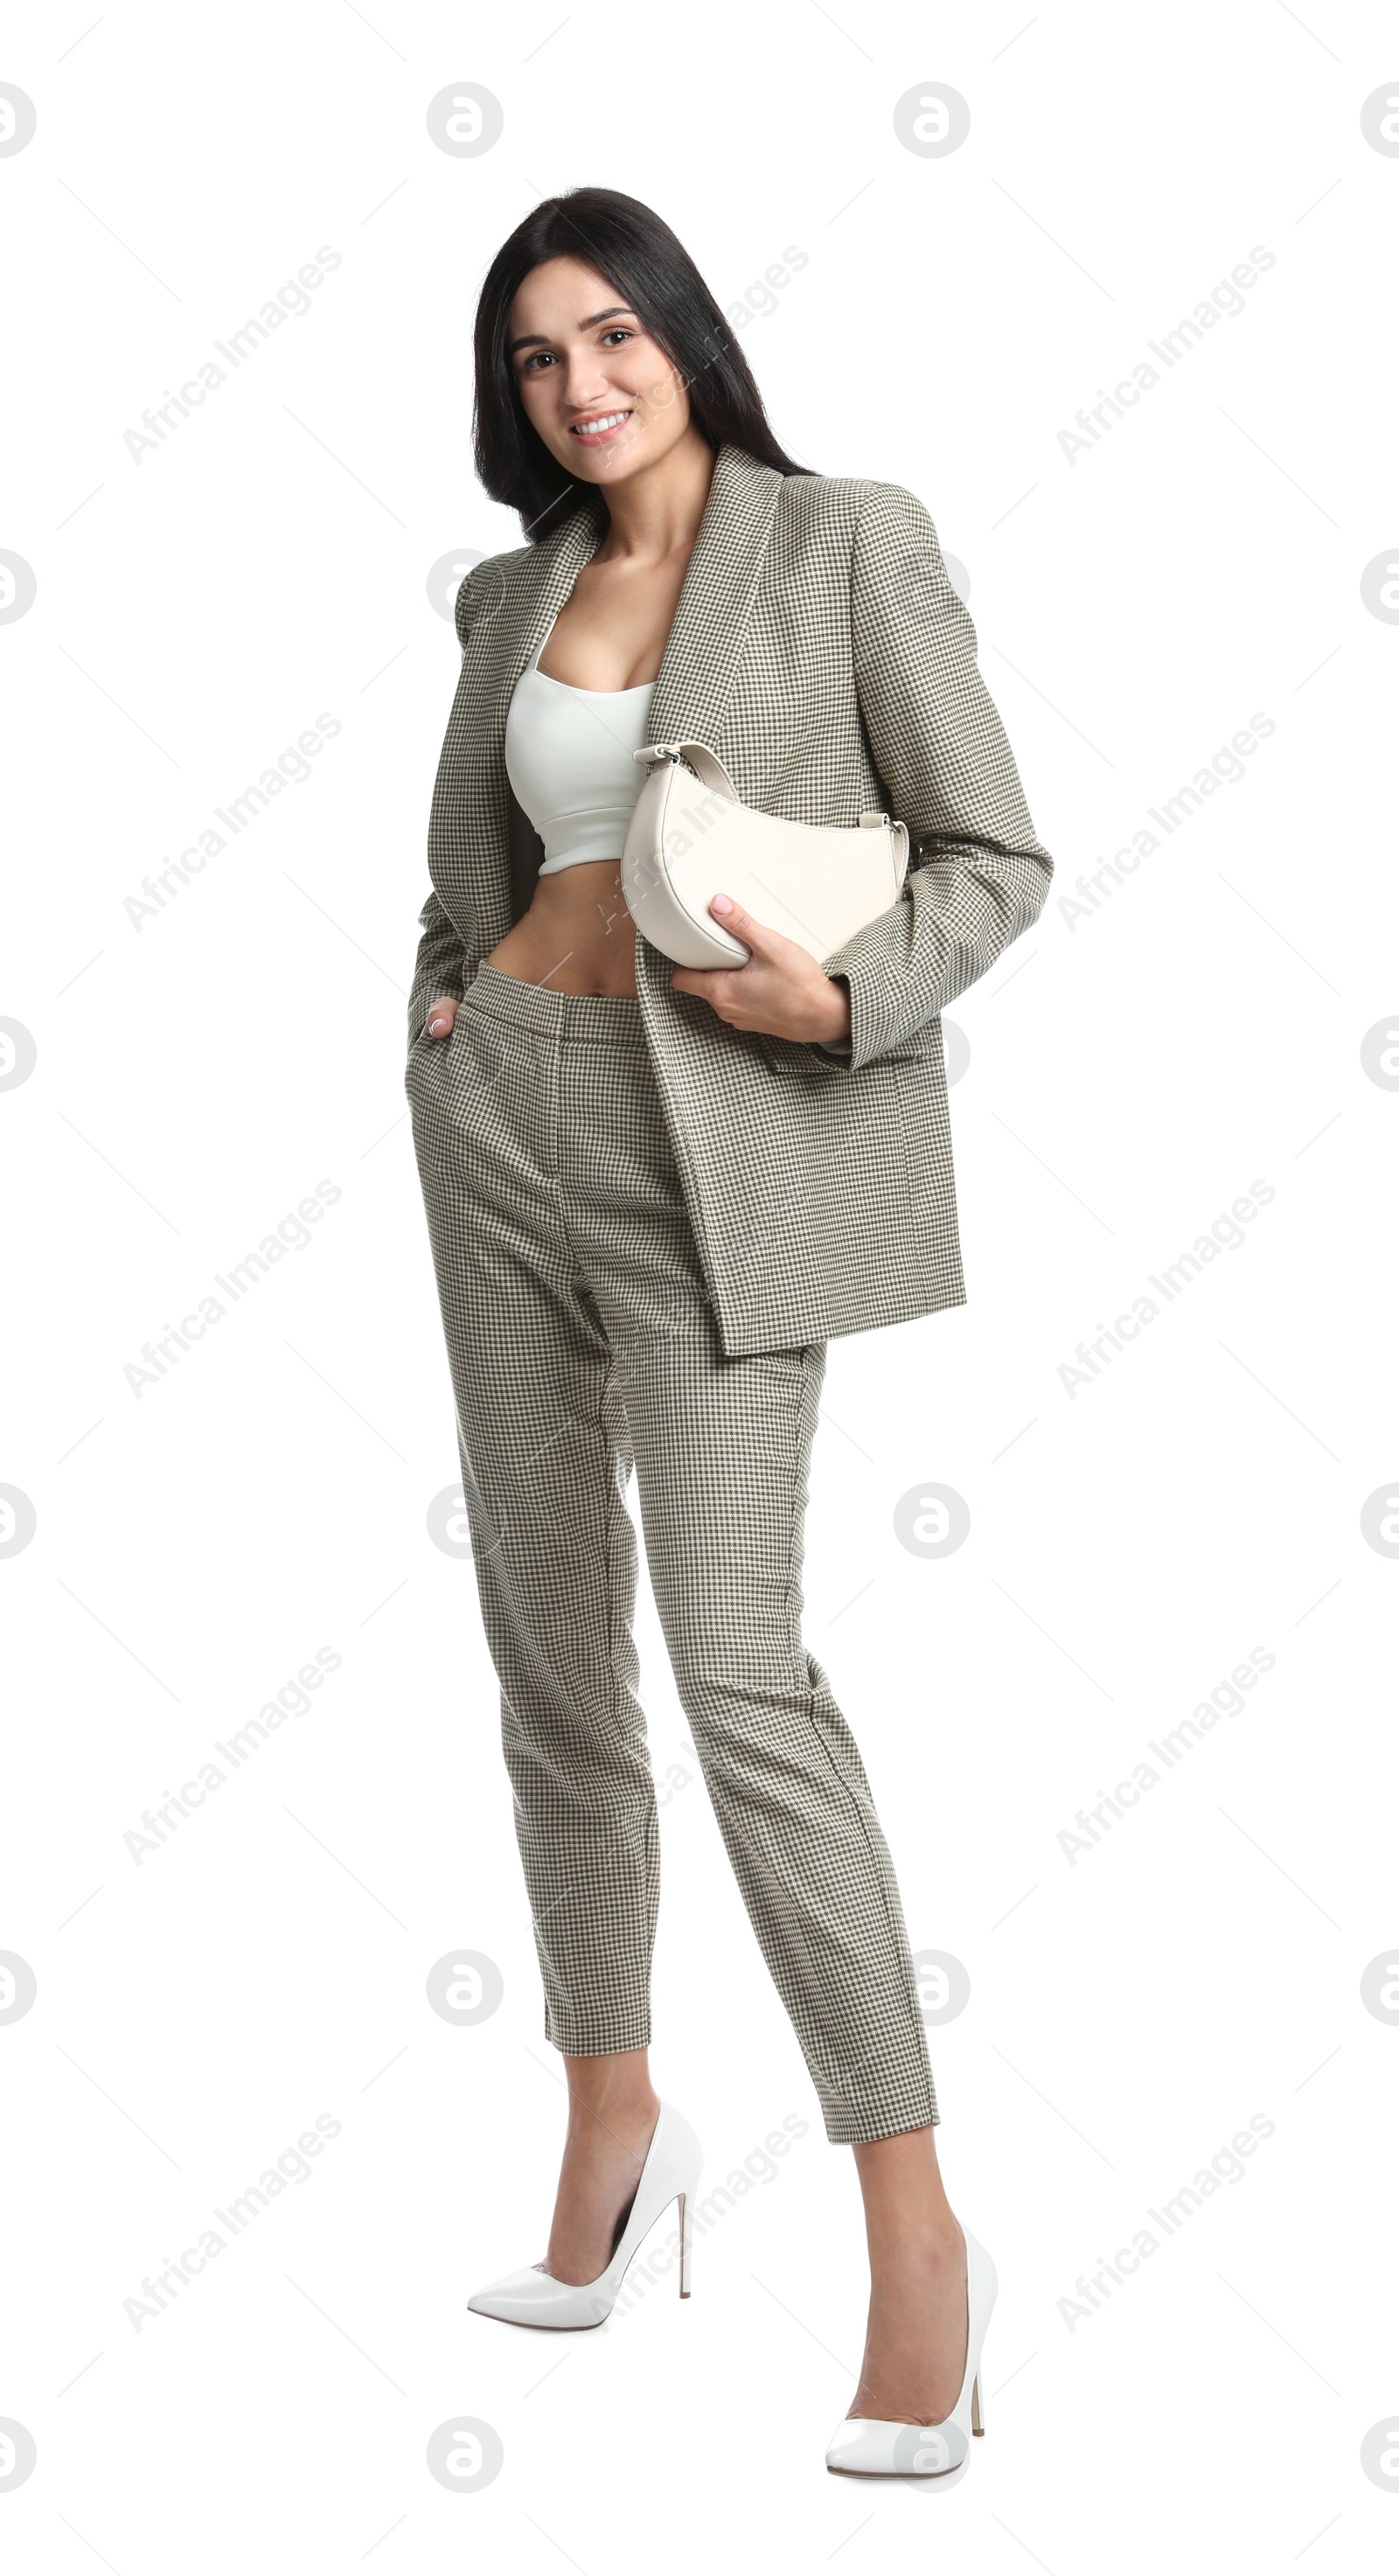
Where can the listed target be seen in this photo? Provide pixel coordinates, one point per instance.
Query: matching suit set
(646, 1225)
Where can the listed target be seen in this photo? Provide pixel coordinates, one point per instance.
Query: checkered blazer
(820, 649)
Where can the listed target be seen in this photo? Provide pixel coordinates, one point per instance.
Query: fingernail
(723, 903)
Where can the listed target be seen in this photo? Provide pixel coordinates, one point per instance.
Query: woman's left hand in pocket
(440, 1018)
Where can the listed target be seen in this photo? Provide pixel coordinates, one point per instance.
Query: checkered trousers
(583, 1348)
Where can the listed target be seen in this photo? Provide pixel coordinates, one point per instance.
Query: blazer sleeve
(440, 964)
(977, 875)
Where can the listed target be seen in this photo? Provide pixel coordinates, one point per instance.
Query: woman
(654, 1193)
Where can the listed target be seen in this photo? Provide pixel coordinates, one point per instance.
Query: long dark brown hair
(652, 273)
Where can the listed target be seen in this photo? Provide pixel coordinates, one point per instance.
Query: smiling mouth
(604, 425)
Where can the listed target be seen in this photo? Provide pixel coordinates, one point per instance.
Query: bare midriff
(576, 937)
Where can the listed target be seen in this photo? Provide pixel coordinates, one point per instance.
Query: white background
(1129, 1076)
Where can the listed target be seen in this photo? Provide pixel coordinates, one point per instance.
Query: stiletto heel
(533, 2297)
(866, 2446)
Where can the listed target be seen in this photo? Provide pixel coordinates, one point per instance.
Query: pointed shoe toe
(867, 2446)
(532, 2297)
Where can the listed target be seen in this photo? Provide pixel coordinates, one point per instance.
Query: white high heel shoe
(865, 2446)
(671, 2172)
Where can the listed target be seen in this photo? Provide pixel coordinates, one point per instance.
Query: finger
(441, 1017)
(741, 925)
(695, 979)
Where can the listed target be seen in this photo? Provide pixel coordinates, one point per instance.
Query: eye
(543, 357)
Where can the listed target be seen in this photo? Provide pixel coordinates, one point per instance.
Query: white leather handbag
(691, 837)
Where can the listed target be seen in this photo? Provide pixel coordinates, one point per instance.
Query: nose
(584, 383)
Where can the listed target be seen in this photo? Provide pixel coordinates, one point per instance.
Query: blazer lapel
(494, 839)
(709, 630)
(515, 630)
(707, 641)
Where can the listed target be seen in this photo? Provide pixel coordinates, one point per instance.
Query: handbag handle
(701, 760)
(712, 772)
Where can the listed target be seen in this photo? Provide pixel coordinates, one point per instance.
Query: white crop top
(568, 756)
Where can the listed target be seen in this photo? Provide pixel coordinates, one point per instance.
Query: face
(602, 394)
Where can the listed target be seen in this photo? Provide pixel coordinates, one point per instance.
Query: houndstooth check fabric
(820, 649)
(584, 1349)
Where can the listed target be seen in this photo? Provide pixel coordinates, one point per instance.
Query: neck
(656, 511)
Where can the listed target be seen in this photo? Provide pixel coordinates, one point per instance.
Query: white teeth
(589, 428)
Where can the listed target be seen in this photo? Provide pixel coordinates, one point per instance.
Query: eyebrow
(537, 339)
